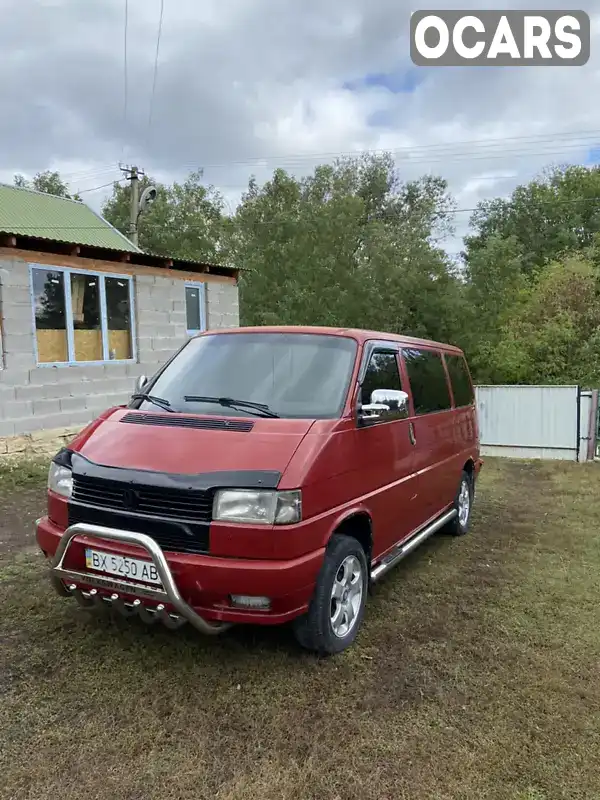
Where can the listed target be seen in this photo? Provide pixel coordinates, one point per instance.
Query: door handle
(411, 433)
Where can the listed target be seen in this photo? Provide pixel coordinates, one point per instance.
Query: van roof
(355, 333)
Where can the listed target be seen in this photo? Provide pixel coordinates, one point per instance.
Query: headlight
(257, 506)
(60, 480)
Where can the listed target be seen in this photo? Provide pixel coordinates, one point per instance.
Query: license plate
(133, 569)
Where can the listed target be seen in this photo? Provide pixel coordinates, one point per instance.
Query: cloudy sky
(244, 86)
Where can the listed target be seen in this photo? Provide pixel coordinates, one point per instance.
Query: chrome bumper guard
(65, 582)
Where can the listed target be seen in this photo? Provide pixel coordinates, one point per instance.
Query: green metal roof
(25, 212)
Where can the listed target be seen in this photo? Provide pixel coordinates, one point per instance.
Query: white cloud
(245, 80)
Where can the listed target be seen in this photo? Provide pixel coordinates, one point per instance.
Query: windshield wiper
(260, 409)
(151, 398)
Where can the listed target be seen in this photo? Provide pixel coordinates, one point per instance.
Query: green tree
(553, 332)
(522, 250)
(185, 220)
(47, 182)
(494, 282)
(349, 245)
(549, 217)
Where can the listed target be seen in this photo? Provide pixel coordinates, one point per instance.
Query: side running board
(402, 550)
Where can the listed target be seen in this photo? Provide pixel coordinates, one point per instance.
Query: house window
(195, 307)
(82, 317)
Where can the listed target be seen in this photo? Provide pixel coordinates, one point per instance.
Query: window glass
(296, 375)
(85, 303)
(118, 319)
(193, 307)
(70, 321)
(382, 373)
(428, 382)
(50, 316)
(460, 380)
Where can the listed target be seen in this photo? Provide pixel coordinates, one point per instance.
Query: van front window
(293, 375)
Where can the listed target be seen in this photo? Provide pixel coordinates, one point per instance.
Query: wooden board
(119, 344)
(52, 346)
(88, 345)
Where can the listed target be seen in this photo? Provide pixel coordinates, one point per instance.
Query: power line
(451, 157)
(278, 222)
(102, 186)
(160, 23)
(445, 152)
(443, 147)
(92, 172)
(125, 82)
(448, 159)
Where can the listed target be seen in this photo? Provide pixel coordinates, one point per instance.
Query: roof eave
(42, 245)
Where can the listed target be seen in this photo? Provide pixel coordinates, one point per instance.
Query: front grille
(182, 504)
(170, 535)
(180, 421)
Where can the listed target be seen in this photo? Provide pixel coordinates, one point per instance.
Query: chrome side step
(402, 550)
(66, 581)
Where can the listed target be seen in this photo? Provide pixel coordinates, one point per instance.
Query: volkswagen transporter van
(265, 476)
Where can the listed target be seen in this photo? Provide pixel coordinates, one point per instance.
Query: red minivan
(265, 475)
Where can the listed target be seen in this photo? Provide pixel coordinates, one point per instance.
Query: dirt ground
(476, 675)
(22, 501)
(17, 518)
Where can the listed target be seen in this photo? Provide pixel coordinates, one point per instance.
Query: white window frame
(101, 276)
(201, 286)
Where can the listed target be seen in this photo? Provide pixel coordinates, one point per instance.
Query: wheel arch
(469, 468)
(358, 524)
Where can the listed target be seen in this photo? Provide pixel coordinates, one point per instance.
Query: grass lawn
(476, 675)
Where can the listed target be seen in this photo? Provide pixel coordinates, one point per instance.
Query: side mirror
(140, 383)
(373, 412)
(385, 404)
(396, 400)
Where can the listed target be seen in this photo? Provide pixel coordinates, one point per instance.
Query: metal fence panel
(529, 421)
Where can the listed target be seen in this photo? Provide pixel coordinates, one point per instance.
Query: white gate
(534, 421)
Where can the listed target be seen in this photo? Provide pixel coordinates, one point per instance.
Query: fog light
(247, 601)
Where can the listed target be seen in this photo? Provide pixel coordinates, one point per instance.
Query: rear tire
(338, 603)
(463, 503)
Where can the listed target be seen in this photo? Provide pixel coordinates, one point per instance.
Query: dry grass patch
(476, 676)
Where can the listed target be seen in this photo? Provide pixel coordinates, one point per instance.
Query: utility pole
(133, 174)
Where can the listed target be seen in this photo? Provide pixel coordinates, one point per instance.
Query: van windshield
(295, 375)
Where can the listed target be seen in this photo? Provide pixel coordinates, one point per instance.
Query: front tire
(338, 603)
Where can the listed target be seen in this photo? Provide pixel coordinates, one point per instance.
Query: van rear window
(428, 382)
(460, 380)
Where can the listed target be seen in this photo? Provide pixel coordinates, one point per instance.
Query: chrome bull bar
(168, 594)
(91, 598)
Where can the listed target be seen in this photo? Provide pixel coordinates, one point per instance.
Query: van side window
(460, 380)
(382, 373)
(428, 381)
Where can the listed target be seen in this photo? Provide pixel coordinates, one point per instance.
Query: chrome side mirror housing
(385, 404)
(140, 383)
(394, 399)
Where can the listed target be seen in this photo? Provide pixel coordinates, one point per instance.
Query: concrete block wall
(37, 399)
(223, 305)
(160, 319)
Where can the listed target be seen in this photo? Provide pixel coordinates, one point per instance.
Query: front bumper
(195, 589)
